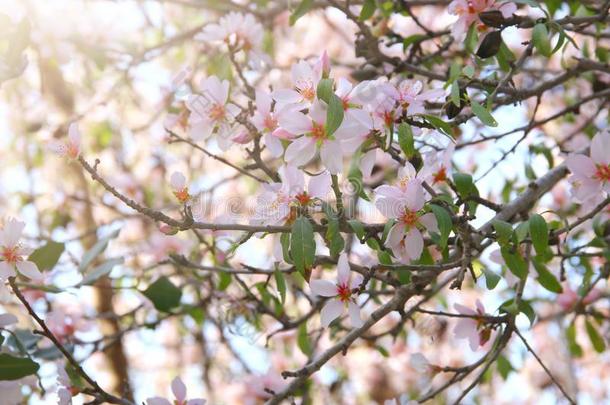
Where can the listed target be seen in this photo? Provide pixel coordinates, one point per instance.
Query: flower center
(441, 175)
(303, 198)
(217, 112)
(270, 122)
(182, 195)
(388, 118)
(602, 173)
(11, 254)
(306, 90)
(471, 9)
(72, 150)
(318, 131)
(409, 218)
(344, 292)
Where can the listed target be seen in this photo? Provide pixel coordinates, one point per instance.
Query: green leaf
(406, 140)
(455, 94)
(540, 38)
(368, 9)
(573, 345)
(482, 114)
(285, 242)
(471, 38)
(224, 280)
(444, 223)
(280, 282)
(596, 340)
(95, 251)
(163, 294)
(47, 256)
(334, 114)
(357, 227)
(302, 9)
(325, 89)
(463, 183)
(491, 279)
(515, 263)
(303, 339)
(302, 246)
(504, 366)
(13, 368)
(546, 278)
(504, 231)
(439, 124)
(539, 232)
(100, 271)
(333, 236)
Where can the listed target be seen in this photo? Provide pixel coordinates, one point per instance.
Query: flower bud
(492, 18)
(490, 45)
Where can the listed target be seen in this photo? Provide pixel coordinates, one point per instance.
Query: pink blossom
(260, 387)
(266, 121)
(63, 325)
(472, 328)
(12, 253)
(179, 187)
(468, 12)
(275, 205)
(411, 97)
(438, 168)
(211, 111)
(179, 391)
(591, 175)
(341, 294)
(305, 78)
(69, 147)
(569, 298)
(405, 239)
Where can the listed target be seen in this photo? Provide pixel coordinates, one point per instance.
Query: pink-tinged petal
(463, 309)
(199, 401)
(429, 221)
(13, 229)
(283, 134)
(356, 281)
(581, 165)
(332, 156)
(343, 270)
(302, 72)
(273, 144)
(354, 315)
(300, 151)
(317, 112)
(263, 102)
(432, 94)
(30, 270)
(7, 319)
(586, 189)
(480, 307)
(295, 122)
(200, 131)
(157, 401)
(600, 148)
(464, 328)
(319, 186)
(362, 116)
(331, 311)
(415, 196)
(214, 90)
(286, 96)
(368, 162)
(496, 257)
(74, 133)
(293, 179)
(351, 129)
(323, 288)
(177, 181)
(396, 234)
(414, 243)
(390, 207)
(474, 340)
(508, 9)
(6, 270)
(350, 145)
(343, 87)
(179, 389)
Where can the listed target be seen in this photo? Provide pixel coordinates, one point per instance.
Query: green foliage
(13, 368)
(163, 294)
(302, 246)
(47, 256)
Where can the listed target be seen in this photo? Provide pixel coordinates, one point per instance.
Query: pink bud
(325, 64)
(168, 230)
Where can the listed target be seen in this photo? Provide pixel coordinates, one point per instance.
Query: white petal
(354, 315)
(429, 221)
(6, 270)
(343, 269)
(300, 151)
(580, 165)
(157, 401)
(286, 96)
(273, 144)
(179, 389)
(7, 319)
(323, 288)
(414, 243)
(295, 122)
(30, 270)
(319, 186)
(263, 102)
(600, 148)
(397, 232)
(331, 311)
(332, 156)
(356, 281)
(368, 162)
(177, 181)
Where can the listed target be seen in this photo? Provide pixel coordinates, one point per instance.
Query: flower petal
(331, 311)
(30, 270)
(179, 389)
(319, 186)
(354, 315)
(343, 269)
(323, 288)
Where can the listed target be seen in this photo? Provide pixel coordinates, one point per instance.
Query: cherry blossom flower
(405, 238)
(179, 391)
(241, 32)
(472, 328)
(275, 205)
(266, 121)
(411, 97)
(439, 170)
(64, 387)
(591, 175)
(259, 387)
(69, 147)
(468, 12)
(341, 293)
(305, 78)
(569, 298)
(314, 137)
(211, 111)
(64, 324)
(179, 187)
(12, 253)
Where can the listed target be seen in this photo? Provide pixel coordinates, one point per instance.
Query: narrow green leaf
(285, 242)
(368, 8)
(357, 227)
(515, 263)
(325, 89)
(540, 38)
(100, 271)
(504, 366)
(224, 280)
(546, 278)
(596, 340)
(302, 246)
(280, 281)
(444, 223)
(539, 233)
(163, 294)
(302, 9)
(491, 279)
(406, 140)
(455, 94)
(504, 231)
(482, 114)
(303, 339)
(575, 348)
(334, 114)
(95, 251)
(463, 183)
(47, 256)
